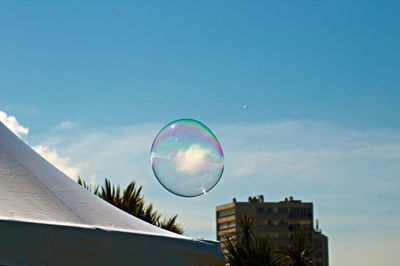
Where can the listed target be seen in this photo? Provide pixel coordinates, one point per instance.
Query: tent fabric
(46, 217)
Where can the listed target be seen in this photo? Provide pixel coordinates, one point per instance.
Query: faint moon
(245, 107)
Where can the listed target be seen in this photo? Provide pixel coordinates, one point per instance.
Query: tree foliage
(131, 201)
(299, 253)
(244, 248)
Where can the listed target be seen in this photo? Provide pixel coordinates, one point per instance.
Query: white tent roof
(45, 217)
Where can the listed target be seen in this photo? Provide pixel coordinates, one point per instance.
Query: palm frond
(171, 224)
(246, 249)
(132, 202)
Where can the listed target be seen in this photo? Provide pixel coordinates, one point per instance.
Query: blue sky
(95, 81)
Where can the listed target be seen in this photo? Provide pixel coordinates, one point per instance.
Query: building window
(226, 225)
(282, 210)
(305, 223)
(226, 212)
(300, 212)
(260, 210)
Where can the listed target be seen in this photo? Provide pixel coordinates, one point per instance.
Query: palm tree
(246, 249)
(132, 202)
(87, 186)
(170, 224)
(110, 194)
(150, 215)
(300, 252)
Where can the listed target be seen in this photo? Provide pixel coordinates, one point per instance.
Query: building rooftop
(260, 199)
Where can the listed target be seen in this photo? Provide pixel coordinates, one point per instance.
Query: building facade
(279, 221)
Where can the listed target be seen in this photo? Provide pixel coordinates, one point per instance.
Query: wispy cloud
(121, 153)
(12, 123)
(67, 125)
(62, 163)
(51, 155)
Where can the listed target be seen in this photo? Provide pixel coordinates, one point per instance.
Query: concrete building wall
(320, 244)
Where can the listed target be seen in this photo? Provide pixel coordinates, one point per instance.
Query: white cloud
(122, 154)
(67, 125)
(51, 155)
(12, 123)
(192, 159)
(62, 163)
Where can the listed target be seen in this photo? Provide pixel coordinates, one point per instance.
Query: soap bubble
(187, 158)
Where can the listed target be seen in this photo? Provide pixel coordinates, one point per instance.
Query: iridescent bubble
(187, 158)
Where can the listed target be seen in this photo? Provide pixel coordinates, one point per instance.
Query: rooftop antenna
(317, 229)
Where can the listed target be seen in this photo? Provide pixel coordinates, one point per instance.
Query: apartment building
(279, 221)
